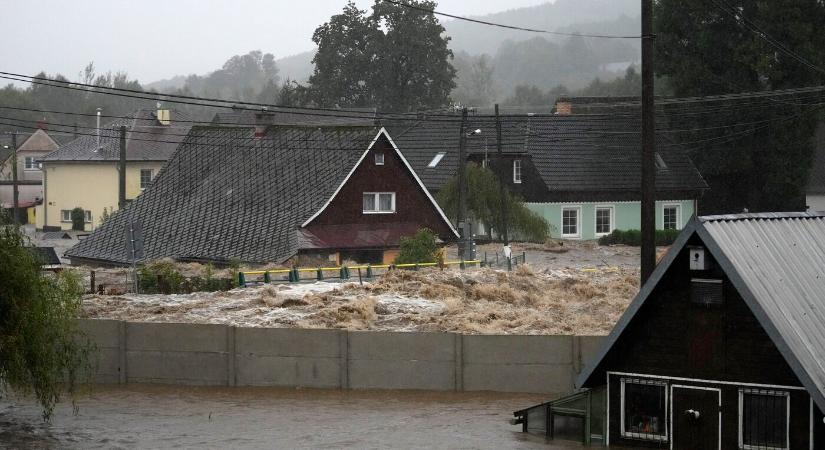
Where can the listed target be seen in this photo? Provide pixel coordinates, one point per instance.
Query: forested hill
(563, 15)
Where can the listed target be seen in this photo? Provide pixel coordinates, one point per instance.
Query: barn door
(695, 416)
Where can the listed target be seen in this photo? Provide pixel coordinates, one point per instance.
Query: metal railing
(342, 273)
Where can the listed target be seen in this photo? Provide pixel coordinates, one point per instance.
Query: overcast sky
(155, 39)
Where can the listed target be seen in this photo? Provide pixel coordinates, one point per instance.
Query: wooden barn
(723, 347)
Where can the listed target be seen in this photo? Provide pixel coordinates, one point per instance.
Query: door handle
(692, 413)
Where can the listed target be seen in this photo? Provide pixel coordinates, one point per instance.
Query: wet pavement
(149, 416)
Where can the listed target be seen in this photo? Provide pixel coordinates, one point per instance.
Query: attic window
(706, 291)
(379, 159)
(436, 159)
(660, 163)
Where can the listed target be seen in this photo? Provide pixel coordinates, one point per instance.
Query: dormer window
(436, 159)
(379, 159)
(517, 171)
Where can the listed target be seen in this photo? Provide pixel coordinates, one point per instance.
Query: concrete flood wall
(195, 354)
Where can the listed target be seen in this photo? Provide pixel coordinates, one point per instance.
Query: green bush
(419, 248)
(78, 219)
(160, 277)
(634, 237)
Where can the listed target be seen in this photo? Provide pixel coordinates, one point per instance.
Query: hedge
(634, 237)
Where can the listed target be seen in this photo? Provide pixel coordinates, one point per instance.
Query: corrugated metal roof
(776, 261)
(780, 259)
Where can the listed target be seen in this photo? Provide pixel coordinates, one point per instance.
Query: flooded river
(147, 416)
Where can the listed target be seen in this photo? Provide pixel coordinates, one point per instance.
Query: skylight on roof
(660, 163)
(436, 159)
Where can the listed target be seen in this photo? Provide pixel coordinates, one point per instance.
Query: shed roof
(776, 261)
(146, 139)
(226, 195)
(572, 153)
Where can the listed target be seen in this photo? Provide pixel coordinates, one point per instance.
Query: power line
(510, 27)
(740, 18)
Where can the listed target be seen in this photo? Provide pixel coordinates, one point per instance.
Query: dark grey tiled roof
(225, 195)
(296, 117)
(572, 153)
(146, 139)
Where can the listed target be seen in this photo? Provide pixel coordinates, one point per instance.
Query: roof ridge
(763, 216)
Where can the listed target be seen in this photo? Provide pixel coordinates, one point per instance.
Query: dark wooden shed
(724, 346)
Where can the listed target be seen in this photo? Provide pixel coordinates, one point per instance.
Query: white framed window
(30, 163)
(66, 215)
(436, 159)
(145, 178)
(570, 221)
(764, 419)
(379, 159)
(379, 202)
(517, 171)
(643, 413)
(604, 219)
(671, 217)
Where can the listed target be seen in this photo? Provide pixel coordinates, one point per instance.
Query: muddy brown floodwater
(149, 416)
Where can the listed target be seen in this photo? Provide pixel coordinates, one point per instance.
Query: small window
(604, 220)
(88, 216)
(436, 159)
(643, 409)
(145, 178)
(570, 221)
(379, 159)
(379, 202)
(670, 217)
(65, 215)
(30, 163)
(517, 171)
(660, 163)
(763, 419)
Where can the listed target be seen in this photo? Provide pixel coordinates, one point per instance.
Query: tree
(484, 204)
(419, 248)
(475, 86)
(394, 59)
(42, 350)
(78, 219)
(704, 50)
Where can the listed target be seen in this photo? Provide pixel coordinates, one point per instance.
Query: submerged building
(723, 347)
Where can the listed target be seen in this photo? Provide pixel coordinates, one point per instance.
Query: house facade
(723, 346)
(579, 172)
(266, 195)
(85, 172)
(31, 148)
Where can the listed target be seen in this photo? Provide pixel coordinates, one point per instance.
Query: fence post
(319, 274)
(369, 270)
(416, 267)
(92, 281)
(509, 264)
(523, 257)
(241, 279)
(296, 275)
(267, 279)
(461, 265)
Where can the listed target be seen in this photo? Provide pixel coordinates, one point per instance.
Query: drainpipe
(121, 198)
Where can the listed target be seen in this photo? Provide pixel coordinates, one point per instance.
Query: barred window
(763, 419)
(644, 409)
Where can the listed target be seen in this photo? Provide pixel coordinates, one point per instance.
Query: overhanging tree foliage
(484, 204)
(42, 351)
(704, 50)
(394, 58)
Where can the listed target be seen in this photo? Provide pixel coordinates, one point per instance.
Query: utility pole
(121, 198)
(15, 189)
(648, 219)
(462, 182)
(502, 188)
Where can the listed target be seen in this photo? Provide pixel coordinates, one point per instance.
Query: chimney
(164, 116)
(564, 107)
(98, 129)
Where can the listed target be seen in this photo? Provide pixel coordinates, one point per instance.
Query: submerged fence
(368, 272)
